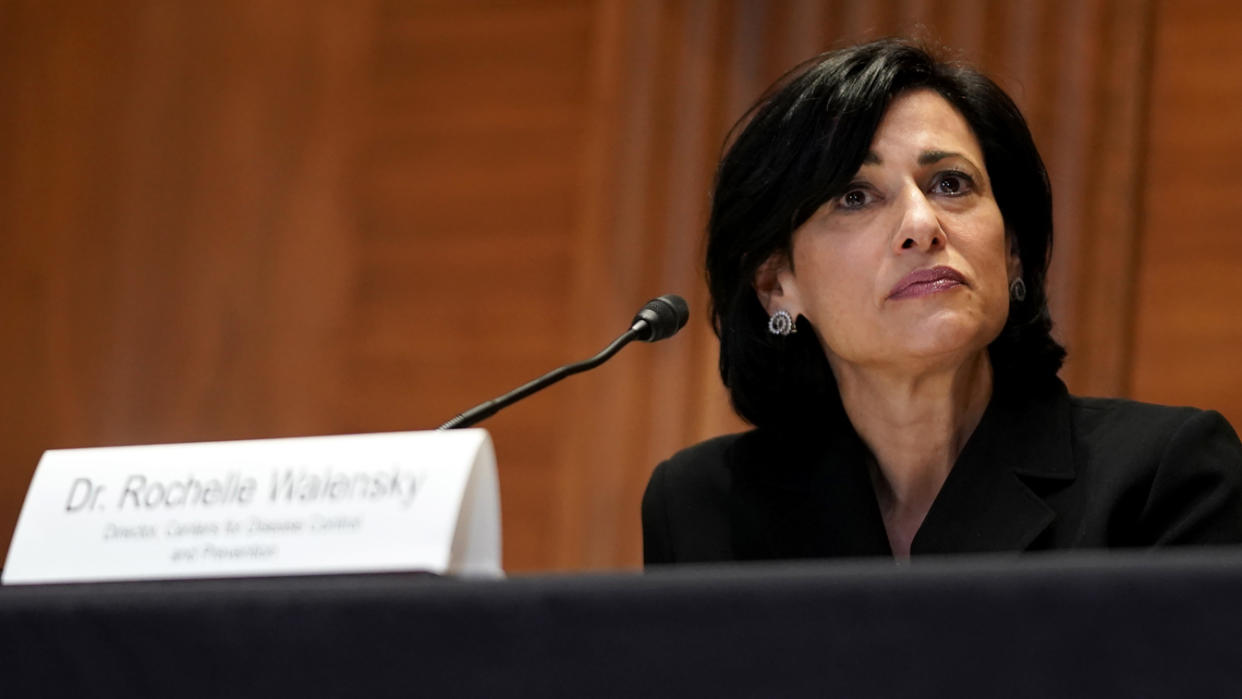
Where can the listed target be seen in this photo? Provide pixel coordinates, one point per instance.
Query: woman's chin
(942, 340)
(944, 343)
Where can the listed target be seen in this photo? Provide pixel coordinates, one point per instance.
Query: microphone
(659, 319)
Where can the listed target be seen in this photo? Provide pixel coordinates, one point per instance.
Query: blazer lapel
(809, 495)
(987, 502)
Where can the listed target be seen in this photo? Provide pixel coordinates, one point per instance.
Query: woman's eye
(953, 184)
(854, 199)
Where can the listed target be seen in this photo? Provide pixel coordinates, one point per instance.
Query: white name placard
(402, 501)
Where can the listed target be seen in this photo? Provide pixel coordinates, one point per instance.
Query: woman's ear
(1014, 258)
(775, 285)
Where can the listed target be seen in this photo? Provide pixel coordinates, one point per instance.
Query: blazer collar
(991, 500)
(811, 496)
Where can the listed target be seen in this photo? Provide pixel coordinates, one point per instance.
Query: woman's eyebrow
(925, 158)
(935, 156)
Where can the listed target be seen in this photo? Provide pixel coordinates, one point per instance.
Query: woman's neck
(915, 425)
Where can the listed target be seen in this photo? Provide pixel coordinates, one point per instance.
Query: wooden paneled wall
(237, 219)
(1188, 321)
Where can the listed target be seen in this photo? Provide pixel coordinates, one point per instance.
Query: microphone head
(661, 318)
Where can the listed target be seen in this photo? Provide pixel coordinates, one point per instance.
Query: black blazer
(1041, 471)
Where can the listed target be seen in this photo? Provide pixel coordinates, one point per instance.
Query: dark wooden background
(263, 218)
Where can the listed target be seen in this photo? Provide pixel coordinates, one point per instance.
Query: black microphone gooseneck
(661, 318)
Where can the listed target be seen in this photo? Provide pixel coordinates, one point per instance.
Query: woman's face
(910, 267)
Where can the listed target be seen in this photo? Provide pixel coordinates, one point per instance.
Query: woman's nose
(920, 226)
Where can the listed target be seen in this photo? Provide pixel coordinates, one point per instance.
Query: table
(1054, 625)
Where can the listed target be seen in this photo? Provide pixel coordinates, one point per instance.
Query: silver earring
(782, 324)
(1017, 290)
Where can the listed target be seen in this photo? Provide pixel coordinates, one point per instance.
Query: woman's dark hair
(804, 141)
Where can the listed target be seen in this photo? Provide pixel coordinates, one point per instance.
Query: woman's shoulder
(1171, 474)
(704, 463)
(1121, 421)
(709, 451)
(1104, 407)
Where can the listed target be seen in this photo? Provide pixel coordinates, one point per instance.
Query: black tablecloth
(1052, 626)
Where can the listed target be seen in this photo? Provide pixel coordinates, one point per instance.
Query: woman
(879, 236)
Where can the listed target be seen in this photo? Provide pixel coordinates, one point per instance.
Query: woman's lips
(922, 282)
